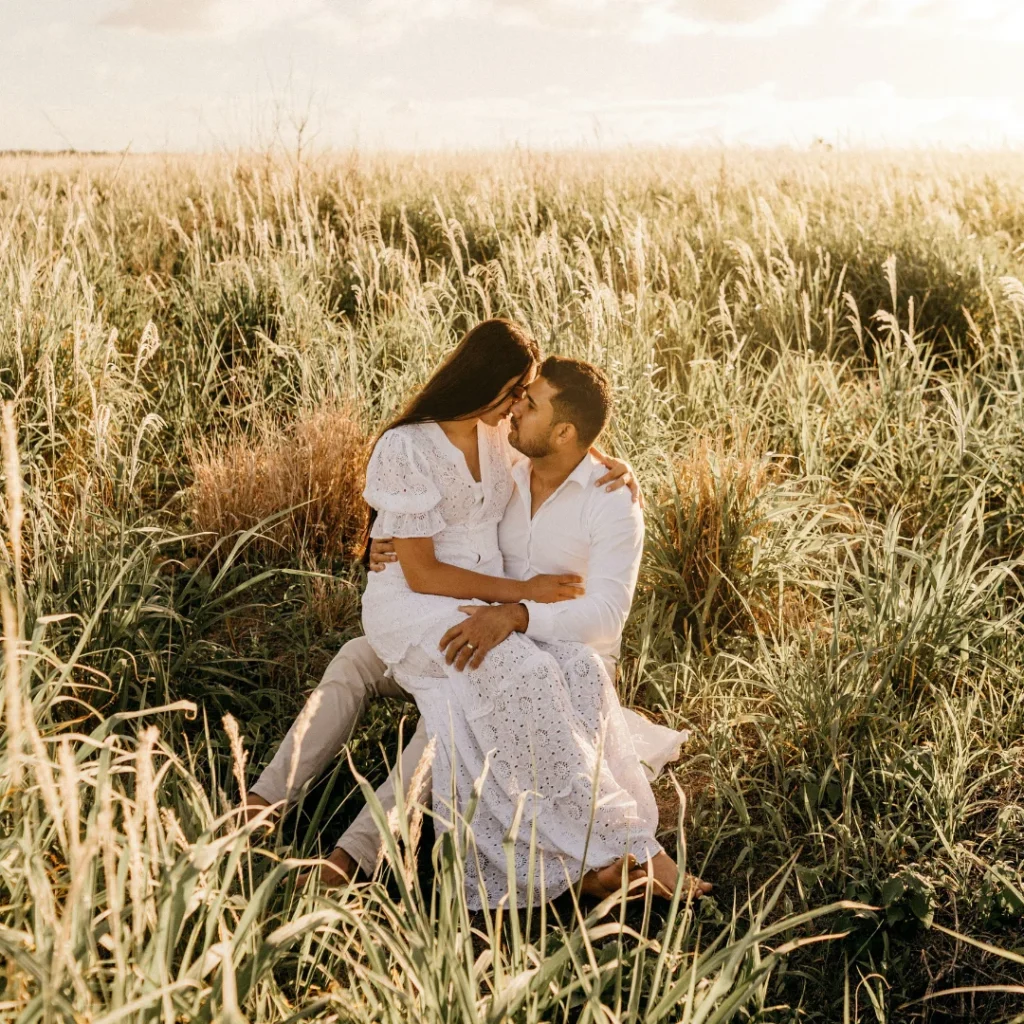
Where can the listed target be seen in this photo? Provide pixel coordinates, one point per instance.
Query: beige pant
(353, 678)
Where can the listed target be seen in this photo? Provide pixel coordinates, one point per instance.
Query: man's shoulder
(603, 505)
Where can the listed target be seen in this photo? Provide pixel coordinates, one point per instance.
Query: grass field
(819, 368)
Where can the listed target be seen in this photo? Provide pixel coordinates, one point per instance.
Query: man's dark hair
(584, 396)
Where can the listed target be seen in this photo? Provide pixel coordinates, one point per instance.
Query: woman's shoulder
(402, 430)
(401, 467)
(403, 437)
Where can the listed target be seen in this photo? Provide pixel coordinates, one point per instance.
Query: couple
(485, 518)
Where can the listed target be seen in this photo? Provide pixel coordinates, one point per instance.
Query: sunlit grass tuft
(306, 480)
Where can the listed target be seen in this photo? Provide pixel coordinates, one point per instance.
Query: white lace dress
(541, 724)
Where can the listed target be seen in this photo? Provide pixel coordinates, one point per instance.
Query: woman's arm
(426, 575)
(620, 474)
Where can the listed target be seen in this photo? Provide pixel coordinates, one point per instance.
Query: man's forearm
(519, 616)
(587, 620)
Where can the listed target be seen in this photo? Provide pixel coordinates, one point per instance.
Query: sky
(187, 75)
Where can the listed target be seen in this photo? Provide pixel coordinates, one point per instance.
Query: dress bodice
(419, 485)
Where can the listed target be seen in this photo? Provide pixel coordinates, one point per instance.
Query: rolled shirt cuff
(542, 620)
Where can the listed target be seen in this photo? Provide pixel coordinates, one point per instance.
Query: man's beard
(534, 450)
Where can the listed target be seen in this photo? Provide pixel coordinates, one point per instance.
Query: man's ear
(564, 435)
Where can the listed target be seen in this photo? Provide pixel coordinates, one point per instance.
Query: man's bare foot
(337, 870)
(253, 806)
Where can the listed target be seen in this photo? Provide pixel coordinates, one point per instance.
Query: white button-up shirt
(580, 529)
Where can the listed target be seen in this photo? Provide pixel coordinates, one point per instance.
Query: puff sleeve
(400, 487)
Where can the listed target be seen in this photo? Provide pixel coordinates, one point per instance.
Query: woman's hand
(620, 474)
(548, 588)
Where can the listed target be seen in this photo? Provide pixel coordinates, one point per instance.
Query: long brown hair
(469, 381)
(472, 376)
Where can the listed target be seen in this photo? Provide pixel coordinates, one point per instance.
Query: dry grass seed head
(312, 470)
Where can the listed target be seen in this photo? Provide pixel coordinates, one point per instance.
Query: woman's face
(513, 390)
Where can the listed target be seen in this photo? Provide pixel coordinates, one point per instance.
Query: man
(557, 521)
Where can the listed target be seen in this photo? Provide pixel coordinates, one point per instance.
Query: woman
(438, 481)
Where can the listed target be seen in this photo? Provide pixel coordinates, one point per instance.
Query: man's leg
(324, 726)
(362, 839)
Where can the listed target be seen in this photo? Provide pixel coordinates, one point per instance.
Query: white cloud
(994, 19)
(631, 16)
(154, 16)
(184, 17)
(731, 11)
(381, 21)
(543, 87)
(367, 22)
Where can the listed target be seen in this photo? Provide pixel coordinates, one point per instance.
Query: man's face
(510, 394)
(532, 424)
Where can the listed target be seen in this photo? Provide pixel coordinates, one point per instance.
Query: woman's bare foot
(337, 870)
(665, 873)
(602, 882)
(606, 881)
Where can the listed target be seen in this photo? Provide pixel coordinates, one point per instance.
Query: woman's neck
(459, 430)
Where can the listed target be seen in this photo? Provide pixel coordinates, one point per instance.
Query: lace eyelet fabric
(419, 486)
(533, 740)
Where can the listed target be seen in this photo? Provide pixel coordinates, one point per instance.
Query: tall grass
(309, 481)
(817, 362)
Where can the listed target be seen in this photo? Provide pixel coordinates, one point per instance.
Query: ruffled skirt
(533, 747)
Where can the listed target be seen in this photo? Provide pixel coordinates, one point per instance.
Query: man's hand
(382, 552)
(467, 644)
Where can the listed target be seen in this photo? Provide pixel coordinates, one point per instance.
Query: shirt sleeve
(617, 544)
(401, 489)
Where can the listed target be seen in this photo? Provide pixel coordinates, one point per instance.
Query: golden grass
(850, 653)
(307, 481)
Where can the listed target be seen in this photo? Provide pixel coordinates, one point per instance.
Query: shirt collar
(521, 474)
(580, 475)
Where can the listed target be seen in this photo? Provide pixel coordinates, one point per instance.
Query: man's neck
(554, 469)
(549, 472)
